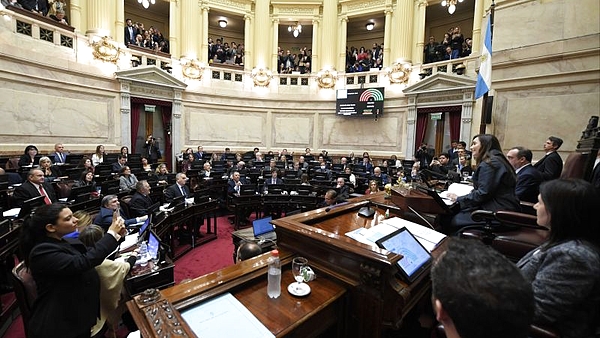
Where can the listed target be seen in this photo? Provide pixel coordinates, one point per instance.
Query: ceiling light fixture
(370, 26)
(295, 29)
(222, 23)
(451, 4)
(146, 3)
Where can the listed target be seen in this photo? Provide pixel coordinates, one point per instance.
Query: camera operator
(151, 150)
(424, 155)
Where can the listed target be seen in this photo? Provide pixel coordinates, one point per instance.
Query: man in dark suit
(34, 186)
(141, 200)
(343, 191)
(130, 32)
(151, 150)
(378, 175)
(59, 156)
(110, 203)
(121, 162)
(550, 165)
(177, 189)
(198, 155)
(528, 178)
(36, 6)
(274, 179)
(234, 184)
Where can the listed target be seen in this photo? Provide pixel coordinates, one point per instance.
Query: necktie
(60, 159)
(182, 192)
(43, 193)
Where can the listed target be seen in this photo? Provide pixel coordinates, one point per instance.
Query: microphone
(421, 217)
(334, 206)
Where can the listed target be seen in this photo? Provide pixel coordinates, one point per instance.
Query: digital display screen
(360, 102)
(414, 256)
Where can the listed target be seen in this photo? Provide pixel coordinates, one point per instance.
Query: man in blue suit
(59, 156)
(528, 177)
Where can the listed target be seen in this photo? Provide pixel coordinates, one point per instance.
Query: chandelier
(146, 3)
(451, 4)
(295, 29)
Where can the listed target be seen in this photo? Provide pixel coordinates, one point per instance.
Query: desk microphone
(421, 217)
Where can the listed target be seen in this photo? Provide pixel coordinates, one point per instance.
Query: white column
(75, 14)
(477, 20)
(419, 32)
(329, 34)
(274, 54)
(316, 47)
(466, 116)
(100, 13)
(403, 18)
(387, 38)
(248, 54)
(176, 134)
(189, 20)
(411, 125)
(175, 27)
(204, 35)
(120, 23)
(261, 28)
(125, 114)
(341, 65)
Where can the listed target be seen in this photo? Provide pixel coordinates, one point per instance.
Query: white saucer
(299, 290)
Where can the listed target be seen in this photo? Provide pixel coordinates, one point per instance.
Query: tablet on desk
(415, 258)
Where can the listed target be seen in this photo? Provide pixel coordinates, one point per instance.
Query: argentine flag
(484, 78)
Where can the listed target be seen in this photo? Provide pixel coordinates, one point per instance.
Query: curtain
(166, 119)
(136, 111)
(455, 125)
(422, 119)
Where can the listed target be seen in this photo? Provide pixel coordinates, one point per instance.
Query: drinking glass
(298, 266)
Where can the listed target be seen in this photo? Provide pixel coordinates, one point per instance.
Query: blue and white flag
(484, 78)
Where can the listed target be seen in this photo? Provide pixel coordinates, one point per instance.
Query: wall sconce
(398, 72)
(326, 78)
(103, 49)
(192, 69)
(222, 23)
(261, 77)
(369, 26)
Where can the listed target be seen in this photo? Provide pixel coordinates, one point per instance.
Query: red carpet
(204, 259)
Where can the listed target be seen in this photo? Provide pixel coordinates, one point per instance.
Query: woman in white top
(351, 178)
(98, 156)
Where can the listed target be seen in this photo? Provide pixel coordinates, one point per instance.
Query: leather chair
(125, 205)
(25, 291)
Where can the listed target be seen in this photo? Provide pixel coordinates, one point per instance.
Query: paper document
(429, 238)
(14, 212)
(224, 316)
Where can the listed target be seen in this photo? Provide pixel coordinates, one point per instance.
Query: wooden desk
(247, 234)
(364, 289)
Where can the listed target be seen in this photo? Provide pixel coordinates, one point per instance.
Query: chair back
(574, 166)
(25, 291)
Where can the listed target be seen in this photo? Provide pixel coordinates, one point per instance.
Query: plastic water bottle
(274, 275)
(143, 254)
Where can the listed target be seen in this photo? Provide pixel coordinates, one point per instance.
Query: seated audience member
(60, 17)
(304, 179)
(98, 156)
(146, 166)
(198, 155)
(110, 204)
(565, 270)
(83, 220)
(13, 178)
(120, 164)
(378, 175)
(551, 164)
(124, 152)
(86, 164)
(28, 157)
(86, 178)
(477, 292)
(59, 156)
(367, 163)
(351, 177)
(178, 189)
(162, 173)
(274, 179)
(224, 155)
(50, 171)
(322, 168)
(344, 190)
(494, 184)
(373, 187)
(34, 186)
(330, 199)
(127, 180)
(188, 163)
(206, 169)
(240, 167)
(112, 276)
(37, 7)
(68, 288)
(141, 200)
(442, 165)
(528, 178)
(464, 166)
(234, 183)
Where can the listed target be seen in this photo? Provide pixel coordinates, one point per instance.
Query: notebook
(263, 228)
(416, 259)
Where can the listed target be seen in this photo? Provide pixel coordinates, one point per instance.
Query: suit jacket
(105, 216)
(269, 181)
(139, 204)
(152, 151)
(128, 38)
(550, 165)
(596, 178)
(231, 186)
(173, 191)
(68, 286)
(42, 5)
(27, 190)
(116, 167)
(343, 192)
(57, 159)
(528, 184)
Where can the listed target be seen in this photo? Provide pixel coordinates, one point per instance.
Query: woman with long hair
(98, 156)
(494, 182)
(565, 270)
(28, 156)
(86, 164)
(68, 286)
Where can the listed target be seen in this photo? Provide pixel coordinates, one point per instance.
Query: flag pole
(485, 110)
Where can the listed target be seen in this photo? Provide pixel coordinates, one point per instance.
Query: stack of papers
(429, 238)
(455, 188)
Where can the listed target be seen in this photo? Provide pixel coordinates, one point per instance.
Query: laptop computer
(153, 245)
(415, 258)
(262, 228)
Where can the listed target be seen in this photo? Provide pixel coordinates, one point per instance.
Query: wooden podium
(356, 293)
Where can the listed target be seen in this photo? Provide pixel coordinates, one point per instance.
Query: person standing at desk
(68, 286)
(178, 189)
(494, 184)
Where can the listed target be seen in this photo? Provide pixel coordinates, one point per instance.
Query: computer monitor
(30, 205)
(415, 258)
(76, 191)
(153, 245)
(176, 201)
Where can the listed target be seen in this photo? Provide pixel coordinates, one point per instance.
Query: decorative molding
(229, 3)
(326, 79)
(152, 92)
(399, 72)
(440, 98)
(106, 50)
(369, 274)
(261, 77)
(295, 11)
(125, 111)
(192, 69)
(365, 5)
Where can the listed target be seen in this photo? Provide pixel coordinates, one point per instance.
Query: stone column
(477, 20)
(175, 27)
(419, 32)
(204, 35)
(341, 65)
(100, 16)
(329, 34)
(189, 21)
(248, 54)
(125, 114)
(176, 134)
(411, 125)
(316, 47)
(261, 29)
(120, 23)
(466, 116)
(387, 38)
(75, 14)
(274, 54)
(403, 22)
